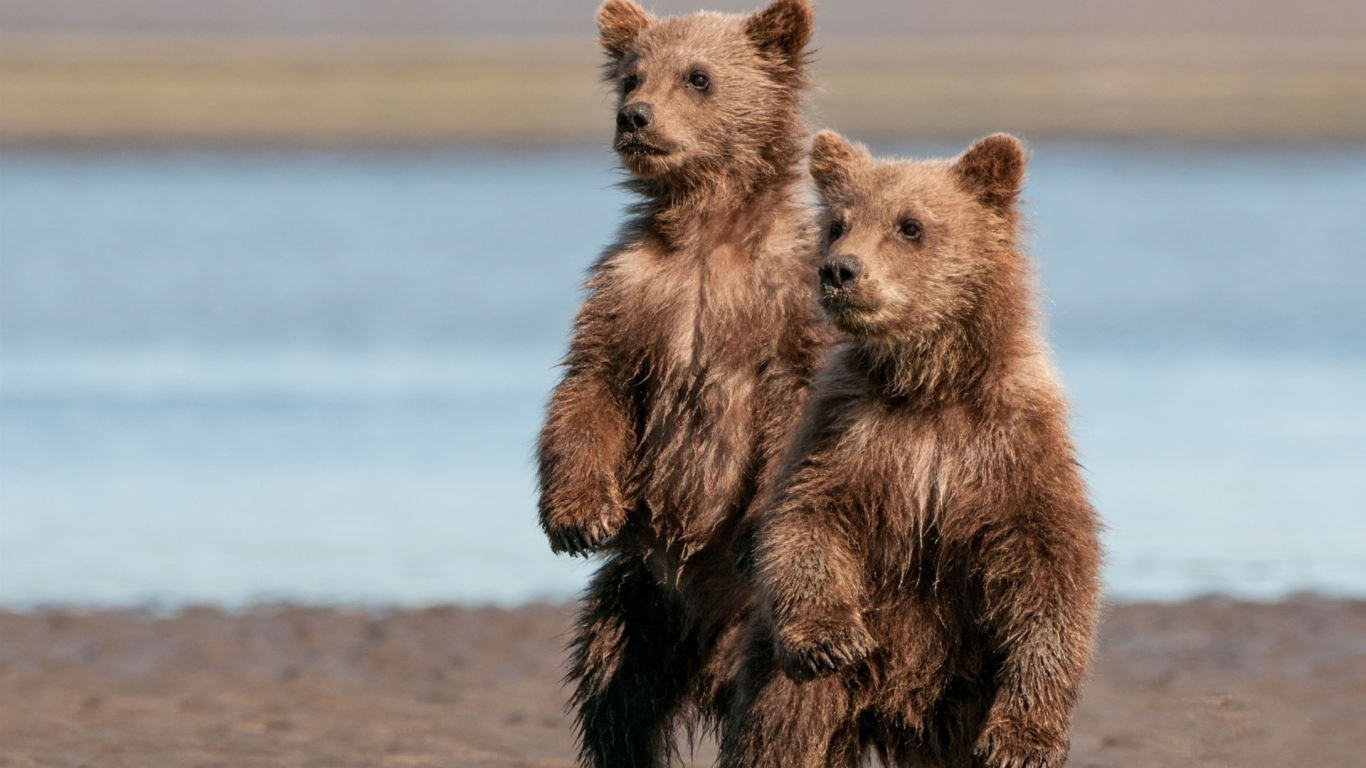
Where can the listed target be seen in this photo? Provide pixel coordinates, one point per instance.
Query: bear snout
(840, 271)
(635, 117)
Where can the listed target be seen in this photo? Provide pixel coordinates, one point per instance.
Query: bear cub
(687, 370)
(926, 557)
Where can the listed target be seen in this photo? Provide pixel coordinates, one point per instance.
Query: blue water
(318, 377)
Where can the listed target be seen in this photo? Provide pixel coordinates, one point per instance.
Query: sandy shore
(1206, 683)
(70, 91)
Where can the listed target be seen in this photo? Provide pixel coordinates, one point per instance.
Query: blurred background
(283, 284)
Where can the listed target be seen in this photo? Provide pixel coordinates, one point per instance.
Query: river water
(318, 377)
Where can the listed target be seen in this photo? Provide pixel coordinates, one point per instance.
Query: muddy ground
(1205, 683)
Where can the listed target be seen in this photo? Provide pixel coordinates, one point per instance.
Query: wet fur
(690, 358)
(927, 557)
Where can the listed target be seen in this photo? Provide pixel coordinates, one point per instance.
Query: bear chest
(702, 334)
(897, 477)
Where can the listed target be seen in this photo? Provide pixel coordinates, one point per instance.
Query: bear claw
(581, 541)
(830, 651)
(1002, 746)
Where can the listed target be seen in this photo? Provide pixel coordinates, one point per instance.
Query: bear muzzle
(839, 277)
(635, 117)
(635, 122)
(839, 272)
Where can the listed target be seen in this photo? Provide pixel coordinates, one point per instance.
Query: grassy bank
(73, 92)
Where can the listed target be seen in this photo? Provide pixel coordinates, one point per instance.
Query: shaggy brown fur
(690, 358)
(927, 558)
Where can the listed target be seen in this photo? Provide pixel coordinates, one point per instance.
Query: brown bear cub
(926, 558)
(689, 362)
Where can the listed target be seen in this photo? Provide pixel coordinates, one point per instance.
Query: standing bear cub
(690, 358)
(926, 557)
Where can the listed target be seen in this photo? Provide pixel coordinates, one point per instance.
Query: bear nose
(636, 116)
(839, 271)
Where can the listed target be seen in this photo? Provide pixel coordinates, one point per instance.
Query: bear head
(917, 248)
(708, 93)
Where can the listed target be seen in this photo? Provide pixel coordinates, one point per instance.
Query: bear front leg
(814, 588)
(1042, 596)
(582, 449)
(1028, 722)
(632, 662)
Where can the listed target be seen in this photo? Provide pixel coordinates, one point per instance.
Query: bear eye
(836, 230)
(911, 230)
(630, 83)
(699, 80)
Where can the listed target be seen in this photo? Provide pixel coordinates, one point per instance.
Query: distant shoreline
(83, 92)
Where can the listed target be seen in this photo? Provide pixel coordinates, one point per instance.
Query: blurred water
(318, 377)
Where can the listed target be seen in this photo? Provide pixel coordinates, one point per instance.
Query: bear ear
(993, 169)
(620, 22)
(782, 29)
(833, 157)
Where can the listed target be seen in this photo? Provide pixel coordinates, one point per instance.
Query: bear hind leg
(632, 662)
(783, 724)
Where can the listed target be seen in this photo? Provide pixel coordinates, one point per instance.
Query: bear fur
(927, 559)
(688, 366)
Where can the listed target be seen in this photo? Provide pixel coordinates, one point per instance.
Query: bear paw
(584, 539)
(1013, 745)
(819, 651)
